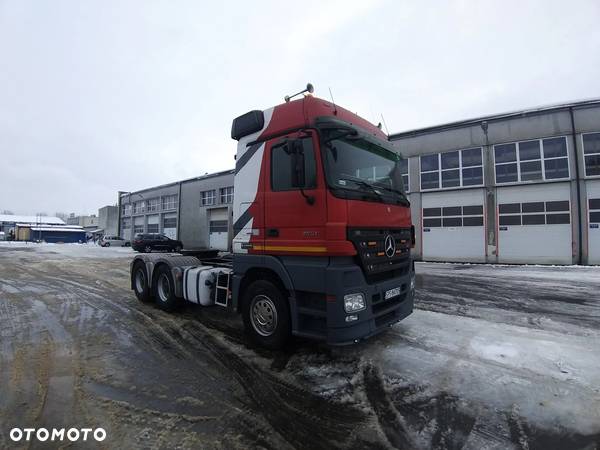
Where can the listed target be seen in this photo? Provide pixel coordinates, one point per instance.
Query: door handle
(273, 232)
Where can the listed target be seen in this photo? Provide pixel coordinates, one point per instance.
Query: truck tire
(164, 290)
(139, 276)
(266, 314)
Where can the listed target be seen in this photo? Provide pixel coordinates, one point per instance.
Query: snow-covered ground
(492, 357)
(89, 250)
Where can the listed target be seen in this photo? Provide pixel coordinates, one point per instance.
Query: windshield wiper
(397, 191)
(363, 184)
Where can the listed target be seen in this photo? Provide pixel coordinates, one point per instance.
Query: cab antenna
(333, 101)
(385, 125)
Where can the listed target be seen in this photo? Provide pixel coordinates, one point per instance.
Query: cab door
(295, 196)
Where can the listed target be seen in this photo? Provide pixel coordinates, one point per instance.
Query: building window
(207, 198)
(153, 205)
(218, 226)
(403, 163)
(169, 202)
(535, 213)
(139, 207)
(539, 159)
(594, 210)
(226, 194)
(126, 224)
(126, 209)
(453, 216)
(152, 228)
(591, 154)
(169, 222)
(556, 158)
(460, 168)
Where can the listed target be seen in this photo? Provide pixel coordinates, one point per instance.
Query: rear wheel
(140, 282)
(164, 290)
(266, 314)
(178, 248)
(107, 244)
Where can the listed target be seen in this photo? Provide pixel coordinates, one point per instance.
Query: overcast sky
(101, 96)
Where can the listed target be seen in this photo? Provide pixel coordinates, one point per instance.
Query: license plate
(392, 293)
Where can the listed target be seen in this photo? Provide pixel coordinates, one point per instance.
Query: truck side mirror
(297, 163)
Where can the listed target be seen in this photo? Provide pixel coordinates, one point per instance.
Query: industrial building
(89, 223)
(40, 228)
(197, 211)
(521, 187)
(8, 222)
(108, 220)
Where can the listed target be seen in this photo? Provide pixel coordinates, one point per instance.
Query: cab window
(281, 166)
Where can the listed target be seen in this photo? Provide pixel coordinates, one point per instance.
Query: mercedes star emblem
(390, 246)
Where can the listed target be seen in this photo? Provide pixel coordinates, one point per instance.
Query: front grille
(376, 263)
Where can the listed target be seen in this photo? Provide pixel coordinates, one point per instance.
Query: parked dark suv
(146, 242)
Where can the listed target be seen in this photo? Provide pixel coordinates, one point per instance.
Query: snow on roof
(46, 220)
(61, 229)
(48, 225)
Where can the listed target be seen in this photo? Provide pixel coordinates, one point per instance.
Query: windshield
(353, 163)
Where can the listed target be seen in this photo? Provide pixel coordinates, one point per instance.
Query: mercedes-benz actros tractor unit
(322, 232)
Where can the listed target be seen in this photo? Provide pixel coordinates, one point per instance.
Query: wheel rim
(164, 288)
(140, 281)
(178, 248)
(263, 315)
(148, 249)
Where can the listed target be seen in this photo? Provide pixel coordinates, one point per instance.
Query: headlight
(354, 302)
(412, 283)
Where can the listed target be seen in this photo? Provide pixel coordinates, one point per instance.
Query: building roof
(46, 220)
(175, 183)
(496, 117)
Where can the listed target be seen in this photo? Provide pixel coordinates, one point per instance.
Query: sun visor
(326, 122)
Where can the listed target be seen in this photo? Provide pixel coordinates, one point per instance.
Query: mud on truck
(322, 231)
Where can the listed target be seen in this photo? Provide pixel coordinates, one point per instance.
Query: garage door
(534, 224)
(453, 226)
(138, 224)
(170, 225)
(593, 220)
(218, 228)
(152, 226)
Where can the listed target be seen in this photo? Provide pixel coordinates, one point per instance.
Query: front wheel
(107, 244)
(147, 249)
(266, 315)
(164, 290)
(178, 248)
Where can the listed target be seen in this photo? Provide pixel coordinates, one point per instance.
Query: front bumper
(378, 315)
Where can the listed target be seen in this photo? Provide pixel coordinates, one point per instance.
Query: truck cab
(322, 232)
(321, 213)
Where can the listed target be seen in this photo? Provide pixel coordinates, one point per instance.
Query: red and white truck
(322, 231)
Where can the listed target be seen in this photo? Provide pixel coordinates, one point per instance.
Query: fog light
(354, 302)
(351, 318)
